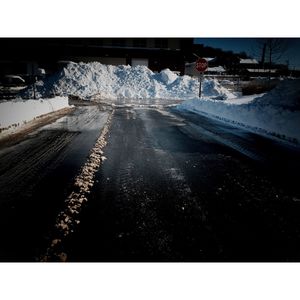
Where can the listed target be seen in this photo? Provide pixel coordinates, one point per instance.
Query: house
(252, 68)
(247, 64)
(261, 72)
(219, 70)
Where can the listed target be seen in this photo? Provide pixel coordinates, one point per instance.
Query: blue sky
(248, 45)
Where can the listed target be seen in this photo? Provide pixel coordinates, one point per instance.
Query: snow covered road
(175, 186)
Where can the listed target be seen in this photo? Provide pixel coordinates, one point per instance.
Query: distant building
(213, 68)
(261, 72)
(252, 68)
(219, 70)
(25, 56)
(247, 62)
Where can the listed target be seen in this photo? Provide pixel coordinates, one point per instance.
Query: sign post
(201, 66)
(200, 80)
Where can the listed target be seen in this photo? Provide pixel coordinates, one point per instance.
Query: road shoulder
(21, 133)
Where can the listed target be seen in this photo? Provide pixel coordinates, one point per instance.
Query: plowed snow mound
(87, 80)
(286, 96)
(276, 112)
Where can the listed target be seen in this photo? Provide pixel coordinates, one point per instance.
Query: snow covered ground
(94, 80)
(276, 113)
(15, 113)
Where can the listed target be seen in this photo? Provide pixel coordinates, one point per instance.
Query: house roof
(209, 58)
(248, 61)
(261, 70)
(216, 69)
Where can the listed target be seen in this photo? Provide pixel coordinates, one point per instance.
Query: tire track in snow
(68, 218)
(32, 161)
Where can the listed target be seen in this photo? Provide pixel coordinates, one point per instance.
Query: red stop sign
(201, 64)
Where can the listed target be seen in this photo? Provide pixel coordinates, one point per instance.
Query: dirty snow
(15, 113)
(68, 218)
(276, 113)
(97, 81)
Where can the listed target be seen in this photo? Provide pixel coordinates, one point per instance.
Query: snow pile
(167, 76)
(15, 113)
(276, 113)
(94, 80)
(285, 96)
(213, 89)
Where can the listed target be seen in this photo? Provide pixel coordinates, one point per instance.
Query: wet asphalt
(180, 187)
(174, 187)
(37, 175)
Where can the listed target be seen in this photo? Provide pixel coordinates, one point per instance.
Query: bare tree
(270, 50)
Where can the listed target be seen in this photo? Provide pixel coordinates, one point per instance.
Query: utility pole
(34, 89)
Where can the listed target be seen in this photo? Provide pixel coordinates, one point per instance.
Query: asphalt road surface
(36, 176)
(174, 187)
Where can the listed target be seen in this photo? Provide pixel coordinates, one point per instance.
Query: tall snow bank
(286, 96)
(276, 113)
(15, 113)
(88, 80)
